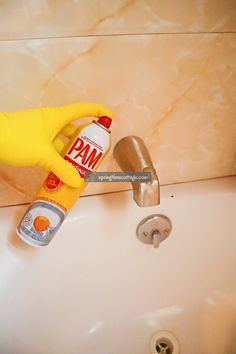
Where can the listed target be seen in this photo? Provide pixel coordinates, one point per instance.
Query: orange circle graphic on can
(41, 223)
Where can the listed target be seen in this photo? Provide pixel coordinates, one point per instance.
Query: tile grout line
(114, 35)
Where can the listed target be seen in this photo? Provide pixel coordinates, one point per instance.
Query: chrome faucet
(132, 155)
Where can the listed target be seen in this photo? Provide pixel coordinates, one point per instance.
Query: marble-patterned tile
(45, 18)
(233, 170)
(177, 92)
(18, 185)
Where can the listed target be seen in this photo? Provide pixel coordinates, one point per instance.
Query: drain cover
(164, 342)
(164, 347)
(154, 229)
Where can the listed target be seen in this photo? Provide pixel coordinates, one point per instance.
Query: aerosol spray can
(85, 151)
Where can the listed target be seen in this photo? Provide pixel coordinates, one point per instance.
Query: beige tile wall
(175, 90)
(58, 18)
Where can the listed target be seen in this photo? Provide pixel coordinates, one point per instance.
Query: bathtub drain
(164, 346)
(164, 342)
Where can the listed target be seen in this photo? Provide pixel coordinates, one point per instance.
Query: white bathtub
(97, 289)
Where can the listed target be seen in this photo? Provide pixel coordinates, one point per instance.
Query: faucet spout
(132, 155)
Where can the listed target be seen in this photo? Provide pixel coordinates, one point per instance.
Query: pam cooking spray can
(85, 151)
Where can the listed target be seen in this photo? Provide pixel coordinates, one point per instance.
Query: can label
(41, 222)
(84, 154)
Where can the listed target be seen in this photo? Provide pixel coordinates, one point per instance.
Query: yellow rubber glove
(26, 137)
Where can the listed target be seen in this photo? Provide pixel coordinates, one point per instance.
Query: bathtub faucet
(132, 155)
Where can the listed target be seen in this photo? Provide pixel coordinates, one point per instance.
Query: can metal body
(85, 151)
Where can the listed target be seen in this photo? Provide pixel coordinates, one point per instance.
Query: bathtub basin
(97, 289)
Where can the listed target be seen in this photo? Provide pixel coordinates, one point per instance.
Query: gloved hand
(27, 138)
